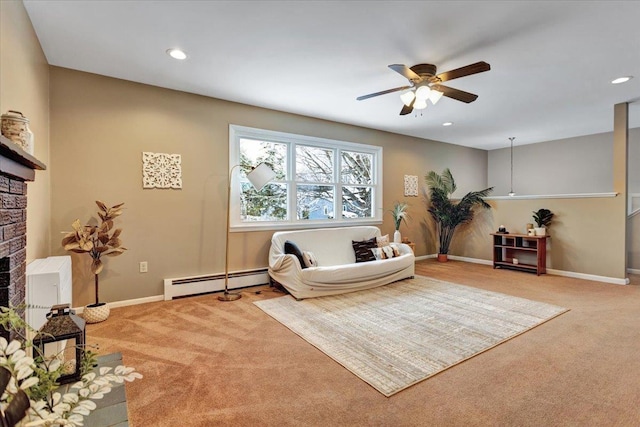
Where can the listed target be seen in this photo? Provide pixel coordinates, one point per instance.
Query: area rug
(397, 335)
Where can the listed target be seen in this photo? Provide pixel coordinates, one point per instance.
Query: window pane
(314, 164)
(356, 168)
(269, 204)
(318, 181)
(356, 202)
(253, 152)
(315, 201)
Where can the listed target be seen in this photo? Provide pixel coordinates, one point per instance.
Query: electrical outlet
(144, 267)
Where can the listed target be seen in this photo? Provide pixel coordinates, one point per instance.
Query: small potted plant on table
(543, 218)
(97, 241)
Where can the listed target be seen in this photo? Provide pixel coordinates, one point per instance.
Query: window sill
(301, 226)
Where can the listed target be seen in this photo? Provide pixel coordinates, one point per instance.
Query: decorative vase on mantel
(397, 237)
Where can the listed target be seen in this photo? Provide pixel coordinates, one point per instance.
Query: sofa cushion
(309, 259)
(363, 248)
(344, 276)
(386, 252)
(331, 246)
(383, 240)
(293, 249)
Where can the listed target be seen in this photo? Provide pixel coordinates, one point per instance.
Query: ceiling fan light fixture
(424, 84)
(408, 97)
(420, 104)
(422, 93)
(434, 96)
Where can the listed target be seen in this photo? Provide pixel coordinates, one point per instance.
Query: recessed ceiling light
(176, 53)
(621, 80)
(447, 123)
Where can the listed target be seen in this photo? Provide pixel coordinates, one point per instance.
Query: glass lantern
(62, 337)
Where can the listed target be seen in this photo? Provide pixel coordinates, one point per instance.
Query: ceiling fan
(424, 84)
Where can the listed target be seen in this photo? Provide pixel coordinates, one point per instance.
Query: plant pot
(443, 258)
(397, 237)
(96, 313)
(540, 231)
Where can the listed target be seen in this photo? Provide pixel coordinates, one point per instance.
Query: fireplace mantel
(16, 168)
(16, 162)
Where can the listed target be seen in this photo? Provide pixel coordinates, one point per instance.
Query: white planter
(540, 231)
(397, 237)
(96, 313)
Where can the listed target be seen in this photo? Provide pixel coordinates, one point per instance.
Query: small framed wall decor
(160, 170)
(411, 185)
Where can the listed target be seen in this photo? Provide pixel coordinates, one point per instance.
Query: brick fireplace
(17, 167)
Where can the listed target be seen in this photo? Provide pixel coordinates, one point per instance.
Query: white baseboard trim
(472, 260)
(127, 302)
(605, 279)
(593, 277)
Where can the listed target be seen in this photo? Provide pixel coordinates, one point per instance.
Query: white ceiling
(551, 62)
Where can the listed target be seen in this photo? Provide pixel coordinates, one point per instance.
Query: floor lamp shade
(259, 176)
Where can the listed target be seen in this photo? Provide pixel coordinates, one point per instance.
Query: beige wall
(99, 128)
(633, 236)
(633, 225)
(634, 158)
(24, 86)
(552, 167)
(583, 237)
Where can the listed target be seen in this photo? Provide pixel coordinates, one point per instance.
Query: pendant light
(511, 193)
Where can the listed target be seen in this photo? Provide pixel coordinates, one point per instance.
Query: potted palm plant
(543, 218)
(449, 213)
(97, 241)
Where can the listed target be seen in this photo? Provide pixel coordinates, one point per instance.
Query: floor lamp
(259, 176)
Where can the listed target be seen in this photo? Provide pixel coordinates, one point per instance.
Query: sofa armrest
(404, 249)
(285, 262)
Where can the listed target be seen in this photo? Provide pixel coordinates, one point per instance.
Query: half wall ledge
(554, 196)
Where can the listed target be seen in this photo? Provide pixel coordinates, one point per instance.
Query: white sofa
(337, 271)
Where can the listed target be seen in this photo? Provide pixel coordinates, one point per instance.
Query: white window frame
(236, 133)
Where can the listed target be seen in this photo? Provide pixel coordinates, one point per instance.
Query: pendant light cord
(511, 193)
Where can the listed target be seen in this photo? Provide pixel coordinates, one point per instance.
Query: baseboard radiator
(186, 286)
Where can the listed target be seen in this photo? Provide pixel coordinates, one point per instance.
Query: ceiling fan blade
(458, 95)
(405, 71)
(384, 92)
(478, 67)
(407, 109)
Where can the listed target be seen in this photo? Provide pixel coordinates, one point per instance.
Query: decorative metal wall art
(160, 170)
(411, 185)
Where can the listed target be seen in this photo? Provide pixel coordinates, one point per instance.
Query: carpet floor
(397, 335)
(207, 363)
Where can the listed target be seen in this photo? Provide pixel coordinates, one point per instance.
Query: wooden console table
(520, 252)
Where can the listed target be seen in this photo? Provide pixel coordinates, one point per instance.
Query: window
(314, 179)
